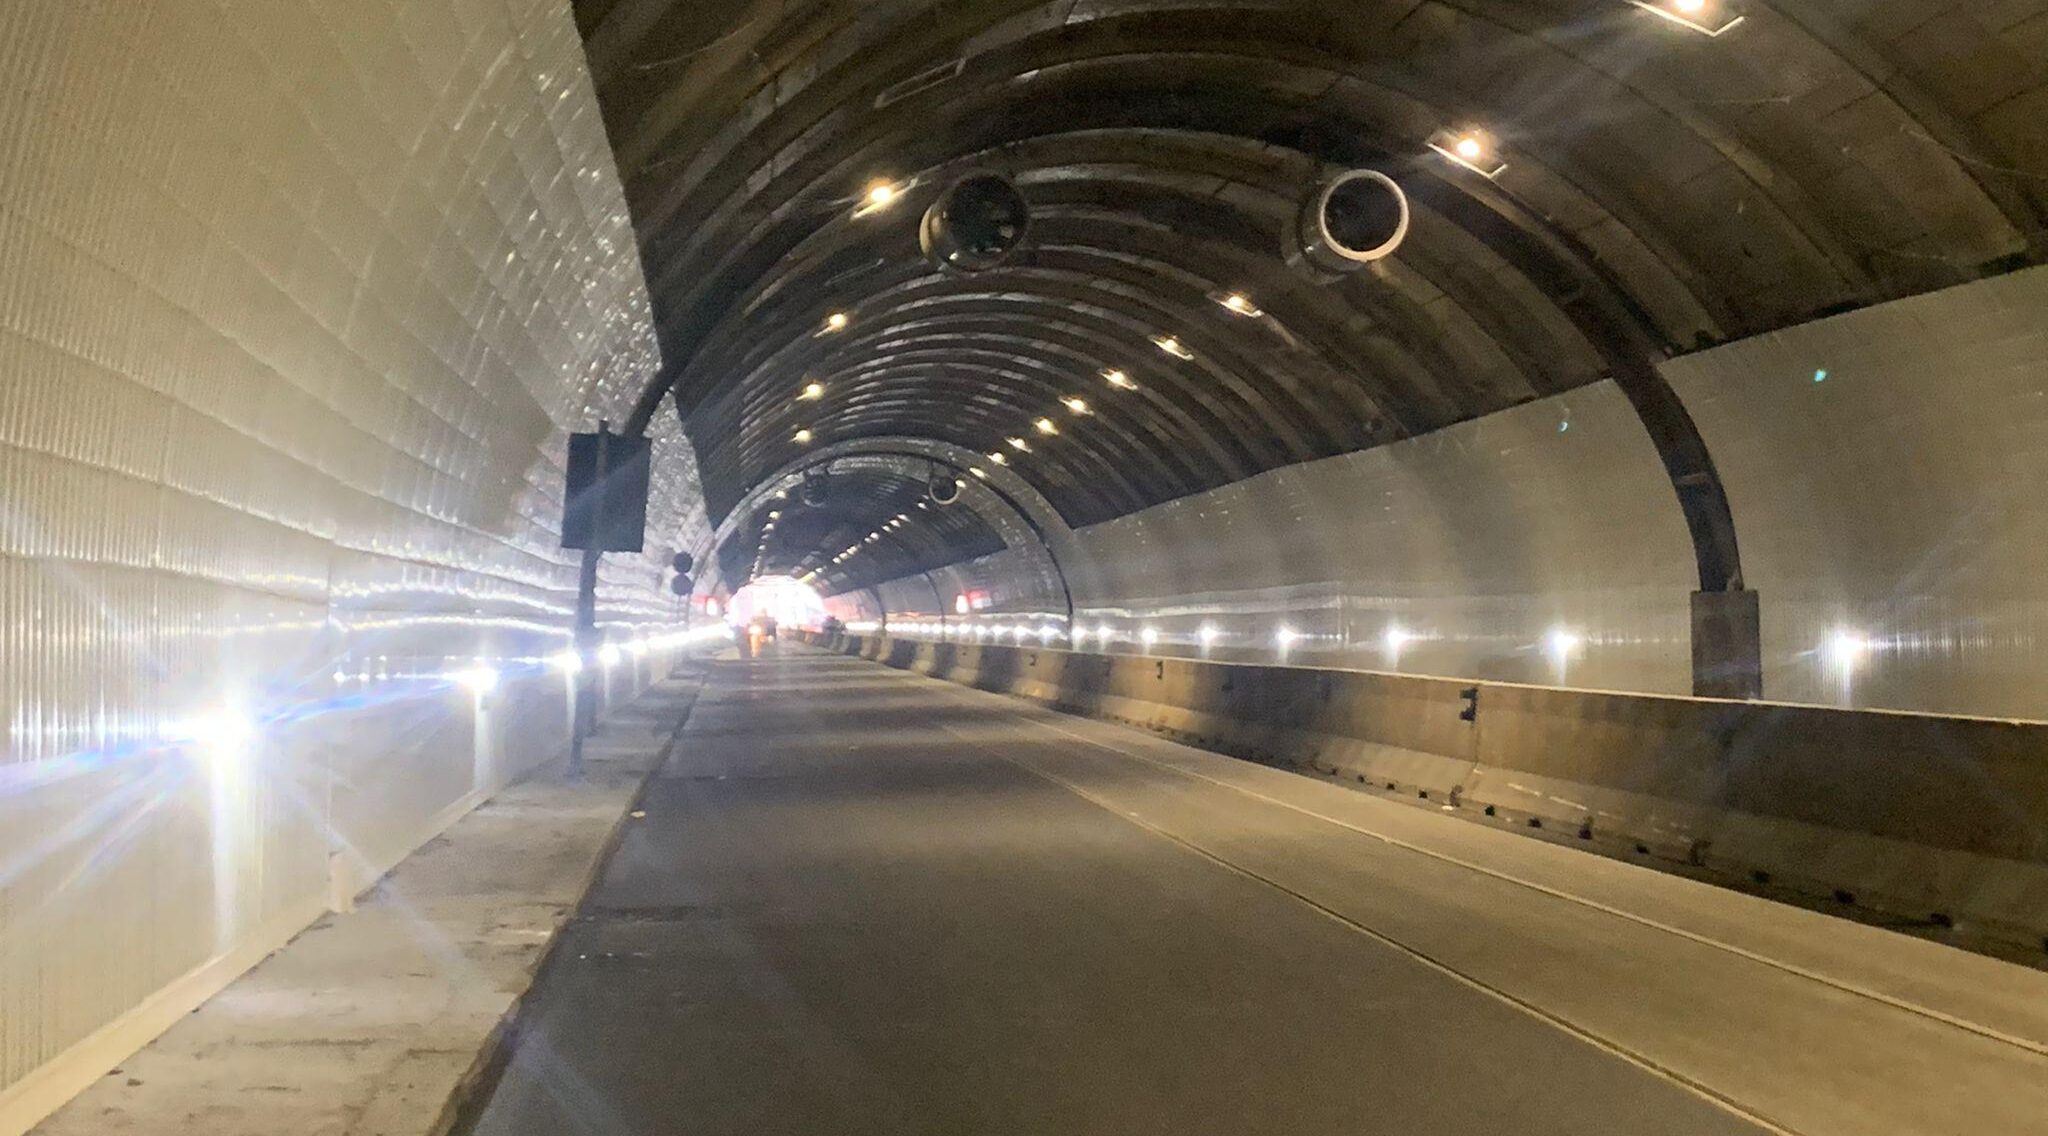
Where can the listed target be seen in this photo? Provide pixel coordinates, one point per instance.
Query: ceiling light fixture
(813, 391)
(1119, 380)
(1710, 18)
(1075, 405)
(801, 437)
(837, 321)
(1475, 150)
(1046, 426)
(998, 458)
(1239, 303)
(1172, 345)
(1019, 445)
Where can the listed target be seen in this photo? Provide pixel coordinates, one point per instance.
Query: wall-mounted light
(1563, 643)
(1710, 18)
(1172, 345)
(1847, 648)
(1473, 149)
(223, 733)
(1119, 379)
(813, 391)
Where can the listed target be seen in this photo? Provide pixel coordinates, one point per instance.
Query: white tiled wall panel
(298, 299)
(1886, 469)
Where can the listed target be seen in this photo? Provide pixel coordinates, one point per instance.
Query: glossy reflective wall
(300, 300)
(1885, 467)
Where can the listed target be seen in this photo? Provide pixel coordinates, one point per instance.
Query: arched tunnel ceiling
(1816, 158)
(874, 523)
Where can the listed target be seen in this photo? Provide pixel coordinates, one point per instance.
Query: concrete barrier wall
(1935, 818)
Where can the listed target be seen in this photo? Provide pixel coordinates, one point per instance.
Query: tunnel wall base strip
(1941, 822)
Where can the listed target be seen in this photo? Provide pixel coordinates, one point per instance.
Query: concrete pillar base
(1727, 645)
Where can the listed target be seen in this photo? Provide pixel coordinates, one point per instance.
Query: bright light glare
(1287, 637)
(222, 732)
(1208, 634)
(1563, 642)
(1048, 634)
(1020, 445)
(1241, 304)
(801, 437)
(1397, 638)
(1076, 405)
(1120, 380)
(609, 654)
(480, 679)
(881, 194)
(1103, 633)
(1846, 648)
(1046, 426)
(1469, 148)
(568, 662)
(813, 392)
(1149, 636)
(837, 321)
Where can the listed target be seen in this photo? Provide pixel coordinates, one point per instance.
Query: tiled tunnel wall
(300, 300)
(1884, 467)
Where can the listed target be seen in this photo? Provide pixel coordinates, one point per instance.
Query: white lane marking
(1894, 1001)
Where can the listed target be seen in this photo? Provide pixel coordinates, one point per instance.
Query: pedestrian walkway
(366, 1022)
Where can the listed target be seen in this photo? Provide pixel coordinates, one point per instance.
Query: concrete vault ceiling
(1819, 157)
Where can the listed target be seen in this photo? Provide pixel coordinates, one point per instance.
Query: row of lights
(1560, 642)
(484, 675)
(892, 524)
(231, 728)
(1472, 149)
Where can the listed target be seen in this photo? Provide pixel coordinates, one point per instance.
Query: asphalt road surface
(863, 901)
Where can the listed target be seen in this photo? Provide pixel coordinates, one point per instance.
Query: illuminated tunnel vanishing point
(1617, 423)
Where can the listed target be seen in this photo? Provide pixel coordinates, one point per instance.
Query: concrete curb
(472, 1092)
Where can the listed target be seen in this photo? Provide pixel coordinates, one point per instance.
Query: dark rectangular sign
(605, 506)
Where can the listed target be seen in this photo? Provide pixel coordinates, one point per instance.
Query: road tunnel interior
(1435, 396)
(1593, 200)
